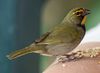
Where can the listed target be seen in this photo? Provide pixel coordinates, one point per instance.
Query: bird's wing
(44, 36)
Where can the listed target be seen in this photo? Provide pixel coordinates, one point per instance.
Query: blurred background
(23, 21)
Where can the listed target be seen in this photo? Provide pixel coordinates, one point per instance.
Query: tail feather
(19, 53)
(22, 52)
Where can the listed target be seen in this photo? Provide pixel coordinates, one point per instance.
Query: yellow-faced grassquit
(62, 39)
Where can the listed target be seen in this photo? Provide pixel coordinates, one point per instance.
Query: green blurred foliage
(94, 17)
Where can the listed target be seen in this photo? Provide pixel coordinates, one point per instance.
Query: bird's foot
(90, 53)
(69, 57)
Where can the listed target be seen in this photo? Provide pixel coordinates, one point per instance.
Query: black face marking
(78, 13)
(82, 26)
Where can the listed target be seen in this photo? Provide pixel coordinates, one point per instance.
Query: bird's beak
(87, 11)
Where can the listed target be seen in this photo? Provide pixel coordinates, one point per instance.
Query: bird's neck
(74, 20)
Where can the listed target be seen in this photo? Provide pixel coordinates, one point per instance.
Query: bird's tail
(22, 52)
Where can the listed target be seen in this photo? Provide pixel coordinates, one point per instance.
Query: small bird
(62, 39)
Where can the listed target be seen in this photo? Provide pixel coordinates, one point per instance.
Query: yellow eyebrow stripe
(79, 11)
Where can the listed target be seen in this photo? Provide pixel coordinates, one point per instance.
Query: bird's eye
(77, 13)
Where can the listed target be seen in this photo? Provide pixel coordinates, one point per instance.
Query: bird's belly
(61, 49)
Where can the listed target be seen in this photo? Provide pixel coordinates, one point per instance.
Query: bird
(62, 39)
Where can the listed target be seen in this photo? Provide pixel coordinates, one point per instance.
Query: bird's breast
(63, 40)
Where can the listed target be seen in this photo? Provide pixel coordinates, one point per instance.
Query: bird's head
(77, 15)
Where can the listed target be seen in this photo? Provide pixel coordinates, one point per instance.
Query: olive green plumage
(61, 40)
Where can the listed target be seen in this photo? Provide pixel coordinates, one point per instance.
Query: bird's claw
(69, 57)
